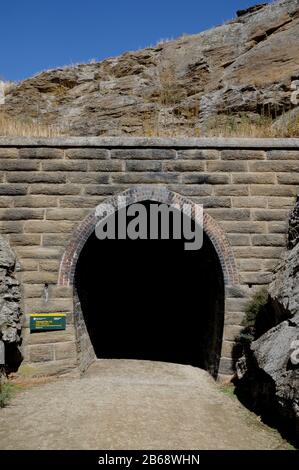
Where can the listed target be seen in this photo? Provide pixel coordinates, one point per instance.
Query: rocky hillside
(244, 66)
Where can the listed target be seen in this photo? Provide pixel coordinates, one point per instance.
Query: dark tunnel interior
(152, 300)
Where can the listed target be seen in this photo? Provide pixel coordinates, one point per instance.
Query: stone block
(256, 278)
(270, 214)
(287, 166)
(250, 264)
(35, 252)
(21, 214)
(232, 190)
(227, 166)
(13, 189)
(205, 178)
(27, 265)
(229, 214)
(281, 202)
(19, 165)
(41, 153)
(283, 155)
(61, 292)
(65, 350)
(33, 290)
(145, 178)
(103, 189)
(25, 239)
(227, 348)
(35, 177)
(208, 154)
(184, 165)
(36, 201)
(49, 265)
(238, 291)
(258, 252)
(226, 366)
(234, 318)
(51, 368)
(273, 190)
(106, 165)
(249, 202)
(90, 177)
(41, 352)
(278, 227)
(55, 189)
(9, 153)
(244, 227)
(288, 178)
(48, 226)
(11, 227)
(39, 305)
(6, 201)
(213, 201)
(143, 165)
(64, 165)
(243, 155)
(270, 264)
(253, 178)
(192, 189)
(239, 239)
(87, 153)
(55, 239)
(51, 337)
(38, 277)
(269, 240)
(144, 154)
(236, 304)
(80, 201)
(231, 332)
(66, 214)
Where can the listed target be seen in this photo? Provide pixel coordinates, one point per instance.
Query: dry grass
(23, 382)
(234, 126)
(223, 126)
(12, 127)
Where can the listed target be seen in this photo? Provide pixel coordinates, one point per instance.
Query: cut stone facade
(50, 188)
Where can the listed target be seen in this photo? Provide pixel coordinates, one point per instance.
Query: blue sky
(36, 35)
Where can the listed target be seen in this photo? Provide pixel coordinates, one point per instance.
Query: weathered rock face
(10, 313)
(246, 65)
(284, 290)
(269, 377)
(269, 371)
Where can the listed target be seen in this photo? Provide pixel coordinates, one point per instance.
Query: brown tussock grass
(13, 127)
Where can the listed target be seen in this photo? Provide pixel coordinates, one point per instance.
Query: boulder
(10, 312)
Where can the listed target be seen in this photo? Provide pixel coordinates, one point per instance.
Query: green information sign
(47, 321)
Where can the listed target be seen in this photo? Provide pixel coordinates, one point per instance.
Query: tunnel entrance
(152, 300)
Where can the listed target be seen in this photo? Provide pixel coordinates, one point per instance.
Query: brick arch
(138, 194)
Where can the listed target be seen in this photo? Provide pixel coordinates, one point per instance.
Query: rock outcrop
(10, 312)
(268, 373)
(245, 66)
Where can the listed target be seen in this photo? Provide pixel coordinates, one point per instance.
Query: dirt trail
(123, 404)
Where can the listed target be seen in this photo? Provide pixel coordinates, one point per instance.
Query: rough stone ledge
(139, 142)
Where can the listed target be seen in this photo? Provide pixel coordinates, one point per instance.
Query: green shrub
(256, 314)
(7, 391)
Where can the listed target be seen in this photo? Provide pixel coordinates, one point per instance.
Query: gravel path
(121, 404)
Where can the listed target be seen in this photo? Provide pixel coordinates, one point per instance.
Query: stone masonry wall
(48, 187)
